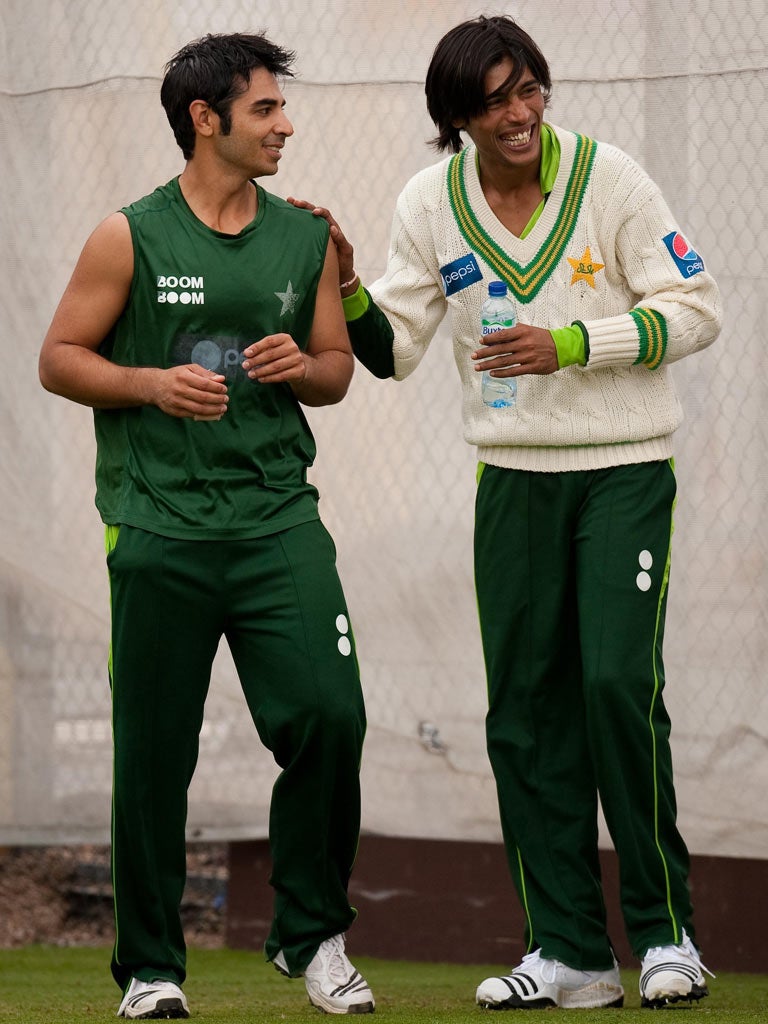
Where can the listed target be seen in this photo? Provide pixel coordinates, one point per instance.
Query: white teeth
(520, 139)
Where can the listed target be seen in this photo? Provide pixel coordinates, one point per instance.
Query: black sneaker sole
(355, 1008)
(676, 1002)
(616, 1004)
(163, 1015)
(166, 1009)
(515, 1003)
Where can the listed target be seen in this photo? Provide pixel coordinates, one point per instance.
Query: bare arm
(321, 375)
(70, 364)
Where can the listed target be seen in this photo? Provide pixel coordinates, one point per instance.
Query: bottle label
(492, 328)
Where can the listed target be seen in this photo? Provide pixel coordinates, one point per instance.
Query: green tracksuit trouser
(278, 602)
(571, 574)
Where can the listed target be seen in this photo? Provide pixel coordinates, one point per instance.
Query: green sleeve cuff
(355, 304)
(572, 345)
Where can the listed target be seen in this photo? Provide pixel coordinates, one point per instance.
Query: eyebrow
(267, 102)
(505, 88)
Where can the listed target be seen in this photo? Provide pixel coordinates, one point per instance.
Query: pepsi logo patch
(460, 274)
(687, 259)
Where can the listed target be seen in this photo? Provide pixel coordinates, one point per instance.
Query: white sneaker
(671, 974)
(153, 1000)
(333, 984)
(538, 982)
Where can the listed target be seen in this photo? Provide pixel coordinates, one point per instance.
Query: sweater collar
(494, 243)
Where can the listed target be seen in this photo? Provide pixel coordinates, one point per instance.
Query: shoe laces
(684, 949)
(529, 959)
(536, 962)
(334, 958)
(145, 986)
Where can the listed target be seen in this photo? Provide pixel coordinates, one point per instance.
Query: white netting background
(683, 87)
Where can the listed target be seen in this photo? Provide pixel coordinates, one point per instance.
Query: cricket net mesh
(82, 133)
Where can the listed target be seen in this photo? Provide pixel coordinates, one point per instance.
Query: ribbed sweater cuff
(613, 341)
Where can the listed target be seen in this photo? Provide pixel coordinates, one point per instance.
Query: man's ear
(203, 117)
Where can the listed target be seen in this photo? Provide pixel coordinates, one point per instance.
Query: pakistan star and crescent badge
(585, 268)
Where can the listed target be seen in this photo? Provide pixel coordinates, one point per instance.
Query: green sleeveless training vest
(200, 296)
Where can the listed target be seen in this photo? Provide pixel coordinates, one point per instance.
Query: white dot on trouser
(341, 624)
(645, 559)
(345, 647)
(643, 581)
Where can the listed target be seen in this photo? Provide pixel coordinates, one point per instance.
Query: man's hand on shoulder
(344, 248)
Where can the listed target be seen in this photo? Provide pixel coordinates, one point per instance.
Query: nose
(517, 108)
(283, 126)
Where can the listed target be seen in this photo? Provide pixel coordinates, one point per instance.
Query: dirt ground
(62, 895)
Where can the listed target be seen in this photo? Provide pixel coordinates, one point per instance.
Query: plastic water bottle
(498, 313)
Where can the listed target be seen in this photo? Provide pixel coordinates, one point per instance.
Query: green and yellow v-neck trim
(524, 280)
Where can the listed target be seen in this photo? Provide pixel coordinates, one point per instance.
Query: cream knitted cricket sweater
(606, 252)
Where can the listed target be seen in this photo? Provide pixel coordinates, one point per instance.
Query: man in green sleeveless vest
(196, 324)
(575, 497)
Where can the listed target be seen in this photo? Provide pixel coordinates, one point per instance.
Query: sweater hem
(563, 459)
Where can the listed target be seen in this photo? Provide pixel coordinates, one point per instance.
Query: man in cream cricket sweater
(576, 490)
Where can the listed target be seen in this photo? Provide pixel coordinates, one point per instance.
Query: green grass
(54, 985)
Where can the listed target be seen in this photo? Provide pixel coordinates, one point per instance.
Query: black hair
(455, 83)
(216, 69)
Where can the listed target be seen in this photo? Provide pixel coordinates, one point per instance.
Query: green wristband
(355, 304)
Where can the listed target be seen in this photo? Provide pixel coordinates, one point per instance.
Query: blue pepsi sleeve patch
(460, 274)
(687, 259)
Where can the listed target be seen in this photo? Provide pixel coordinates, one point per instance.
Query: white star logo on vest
(289, 298)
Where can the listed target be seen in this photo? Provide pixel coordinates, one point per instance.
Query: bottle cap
(497, 288)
